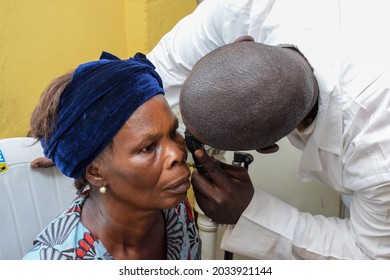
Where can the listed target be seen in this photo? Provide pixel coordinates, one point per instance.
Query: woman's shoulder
(59, 236)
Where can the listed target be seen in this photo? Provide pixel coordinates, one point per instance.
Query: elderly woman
(108, 126)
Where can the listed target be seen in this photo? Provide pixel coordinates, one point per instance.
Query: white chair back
(29, 198)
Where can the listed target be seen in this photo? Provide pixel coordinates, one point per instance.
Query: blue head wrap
(101, 97)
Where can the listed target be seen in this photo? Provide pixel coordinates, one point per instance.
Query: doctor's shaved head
(246, 95)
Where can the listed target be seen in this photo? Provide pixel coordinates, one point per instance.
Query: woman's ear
(93, 176)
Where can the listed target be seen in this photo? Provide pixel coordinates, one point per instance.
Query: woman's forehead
(152, 117)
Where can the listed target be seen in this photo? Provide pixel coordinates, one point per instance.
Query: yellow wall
(149, 20)
(41, 39)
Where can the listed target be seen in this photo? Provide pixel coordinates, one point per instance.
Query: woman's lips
(179, 188)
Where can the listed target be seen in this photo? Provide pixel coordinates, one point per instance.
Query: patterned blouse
(66, 238)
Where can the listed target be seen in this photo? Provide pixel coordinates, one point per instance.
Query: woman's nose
(175, 153)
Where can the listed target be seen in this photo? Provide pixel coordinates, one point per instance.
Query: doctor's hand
(224, 191)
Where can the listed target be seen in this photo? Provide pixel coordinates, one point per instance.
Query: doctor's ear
(269, 150)
(246, 38)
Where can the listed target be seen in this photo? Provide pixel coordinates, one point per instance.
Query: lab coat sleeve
(213, 23)
(194, 36)
(272, 229)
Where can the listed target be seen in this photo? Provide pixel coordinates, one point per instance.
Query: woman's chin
(174, 201)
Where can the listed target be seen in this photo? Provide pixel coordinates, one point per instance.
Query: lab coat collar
(327, 132)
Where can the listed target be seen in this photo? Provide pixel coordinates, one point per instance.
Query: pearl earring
(103, 189)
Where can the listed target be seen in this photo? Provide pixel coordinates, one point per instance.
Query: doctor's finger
(201, 185)
(211, 168)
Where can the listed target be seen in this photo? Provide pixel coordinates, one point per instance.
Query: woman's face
(146, 164)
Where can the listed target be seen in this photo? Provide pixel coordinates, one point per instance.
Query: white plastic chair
(29, 198)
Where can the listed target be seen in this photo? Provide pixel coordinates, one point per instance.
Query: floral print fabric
(66, 238)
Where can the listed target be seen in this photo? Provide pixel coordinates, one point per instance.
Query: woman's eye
(148, 148)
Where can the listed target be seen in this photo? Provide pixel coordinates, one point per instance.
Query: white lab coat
(348, 145)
